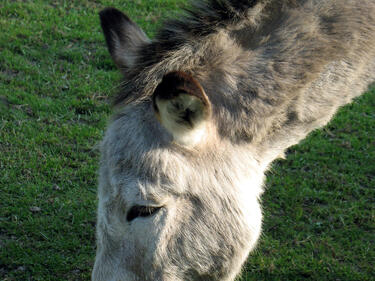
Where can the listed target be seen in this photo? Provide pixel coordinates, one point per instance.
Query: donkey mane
(200, 19)
(204, 18)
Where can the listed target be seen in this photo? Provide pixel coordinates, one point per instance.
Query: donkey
(204, 109)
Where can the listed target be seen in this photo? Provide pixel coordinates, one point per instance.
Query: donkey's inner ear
(123, 37)
(182, 107)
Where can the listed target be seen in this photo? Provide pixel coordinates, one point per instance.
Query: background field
(56, 78)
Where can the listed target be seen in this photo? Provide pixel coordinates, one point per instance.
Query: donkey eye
(141, 211)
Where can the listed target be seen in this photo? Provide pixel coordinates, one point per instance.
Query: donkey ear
(123, 36)
(182, 107)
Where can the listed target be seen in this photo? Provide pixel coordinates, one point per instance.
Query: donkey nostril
(141, 211)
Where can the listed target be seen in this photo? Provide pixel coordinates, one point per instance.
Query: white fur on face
(229, 174)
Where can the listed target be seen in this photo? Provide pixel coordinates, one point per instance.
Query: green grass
(55, 79)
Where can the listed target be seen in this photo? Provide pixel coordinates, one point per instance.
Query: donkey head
(203, 110)
(170, 205)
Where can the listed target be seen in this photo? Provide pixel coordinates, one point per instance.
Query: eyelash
(141, 211)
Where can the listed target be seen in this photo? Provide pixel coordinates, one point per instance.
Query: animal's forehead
(141, 155)
(141, 158)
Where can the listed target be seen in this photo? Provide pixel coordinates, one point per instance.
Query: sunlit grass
(55, 80)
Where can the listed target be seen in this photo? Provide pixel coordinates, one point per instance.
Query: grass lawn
(56, 77)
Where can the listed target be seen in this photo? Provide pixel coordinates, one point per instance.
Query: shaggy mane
(200, 19)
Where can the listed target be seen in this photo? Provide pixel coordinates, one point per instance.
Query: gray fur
(274, 73)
